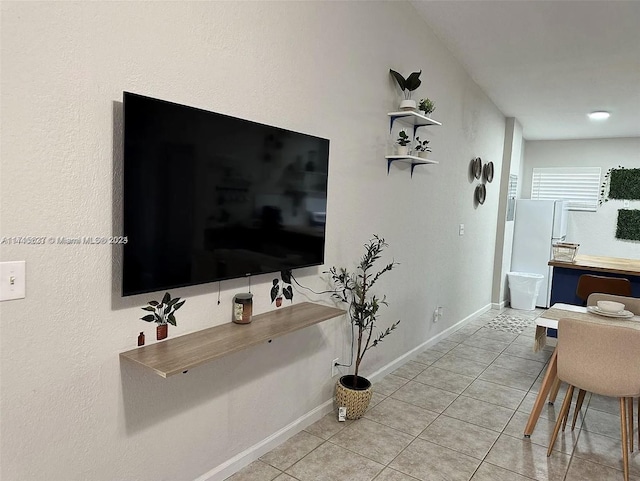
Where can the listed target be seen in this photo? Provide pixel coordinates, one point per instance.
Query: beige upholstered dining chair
(601, 359)
(631, 304)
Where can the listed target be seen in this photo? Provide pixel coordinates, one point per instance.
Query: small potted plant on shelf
(427, 106)
(354, 289)
(163, 314)
(403, 143)
(278, 291)
(422, 147)
(407, 85)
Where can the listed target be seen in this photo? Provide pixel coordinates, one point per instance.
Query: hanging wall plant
(624, 184)
(277, 291)
(620, 183)
(628, 227)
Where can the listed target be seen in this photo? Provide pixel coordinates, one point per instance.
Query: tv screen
(209, 197)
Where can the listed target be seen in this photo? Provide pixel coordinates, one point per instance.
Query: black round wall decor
(476, 167)
(488, 171)
(481, 193)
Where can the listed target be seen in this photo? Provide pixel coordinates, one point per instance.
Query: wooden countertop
(181, 353)
(615, 265)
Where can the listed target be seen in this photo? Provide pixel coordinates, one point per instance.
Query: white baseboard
(396, 363)
(240, 460)
(499, 305)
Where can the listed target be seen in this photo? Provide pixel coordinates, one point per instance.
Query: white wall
(594, 231)
(70, 410)
(511, 160)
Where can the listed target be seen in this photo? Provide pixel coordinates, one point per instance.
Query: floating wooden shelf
(186, 352)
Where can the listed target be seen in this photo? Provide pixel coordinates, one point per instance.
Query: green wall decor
(628, 224)
(624, 184)
(604, 186)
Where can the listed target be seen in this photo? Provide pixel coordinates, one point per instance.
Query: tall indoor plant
(355, 290)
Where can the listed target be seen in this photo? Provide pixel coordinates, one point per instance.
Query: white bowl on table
(610, 306)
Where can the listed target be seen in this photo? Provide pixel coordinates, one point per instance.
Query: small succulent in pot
(403, 138)
(163, 313)
(422, 145)
(427, 106)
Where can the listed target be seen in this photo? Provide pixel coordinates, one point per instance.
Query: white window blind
(579, 186)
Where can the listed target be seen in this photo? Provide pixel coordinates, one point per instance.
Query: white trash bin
(523, 289)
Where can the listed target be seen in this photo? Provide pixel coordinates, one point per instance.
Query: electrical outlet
(334, 366)
(436, 315)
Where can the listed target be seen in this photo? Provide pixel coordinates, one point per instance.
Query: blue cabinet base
(565, 283)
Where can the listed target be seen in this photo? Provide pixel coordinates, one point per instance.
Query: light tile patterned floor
(457, 412)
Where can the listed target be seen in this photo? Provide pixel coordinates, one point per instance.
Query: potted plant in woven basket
(355, 290)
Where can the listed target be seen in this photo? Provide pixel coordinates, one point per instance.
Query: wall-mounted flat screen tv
(209, 197)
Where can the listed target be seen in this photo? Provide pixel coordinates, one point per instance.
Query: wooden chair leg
(554, 390)
(578, 407)
(630, 418)
(563, 412)
(549, 375)
(623, 430)
(565, 418)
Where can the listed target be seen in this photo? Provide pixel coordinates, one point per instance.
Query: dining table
(549, 320)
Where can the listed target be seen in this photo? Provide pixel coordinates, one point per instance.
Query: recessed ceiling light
(599, 115)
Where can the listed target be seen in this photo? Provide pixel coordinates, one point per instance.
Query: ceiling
(549, 63)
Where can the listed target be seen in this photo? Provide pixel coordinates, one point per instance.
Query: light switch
(12, 280)
(461, 229)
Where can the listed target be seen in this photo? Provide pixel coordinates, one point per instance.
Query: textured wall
(594, 231)
(70, 410)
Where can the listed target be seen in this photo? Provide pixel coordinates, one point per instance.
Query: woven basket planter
(355, 400)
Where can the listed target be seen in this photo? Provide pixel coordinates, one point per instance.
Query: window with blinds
(579, 186)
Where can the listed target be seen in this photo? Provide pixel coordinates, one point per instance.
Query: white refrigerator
(538, 225)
